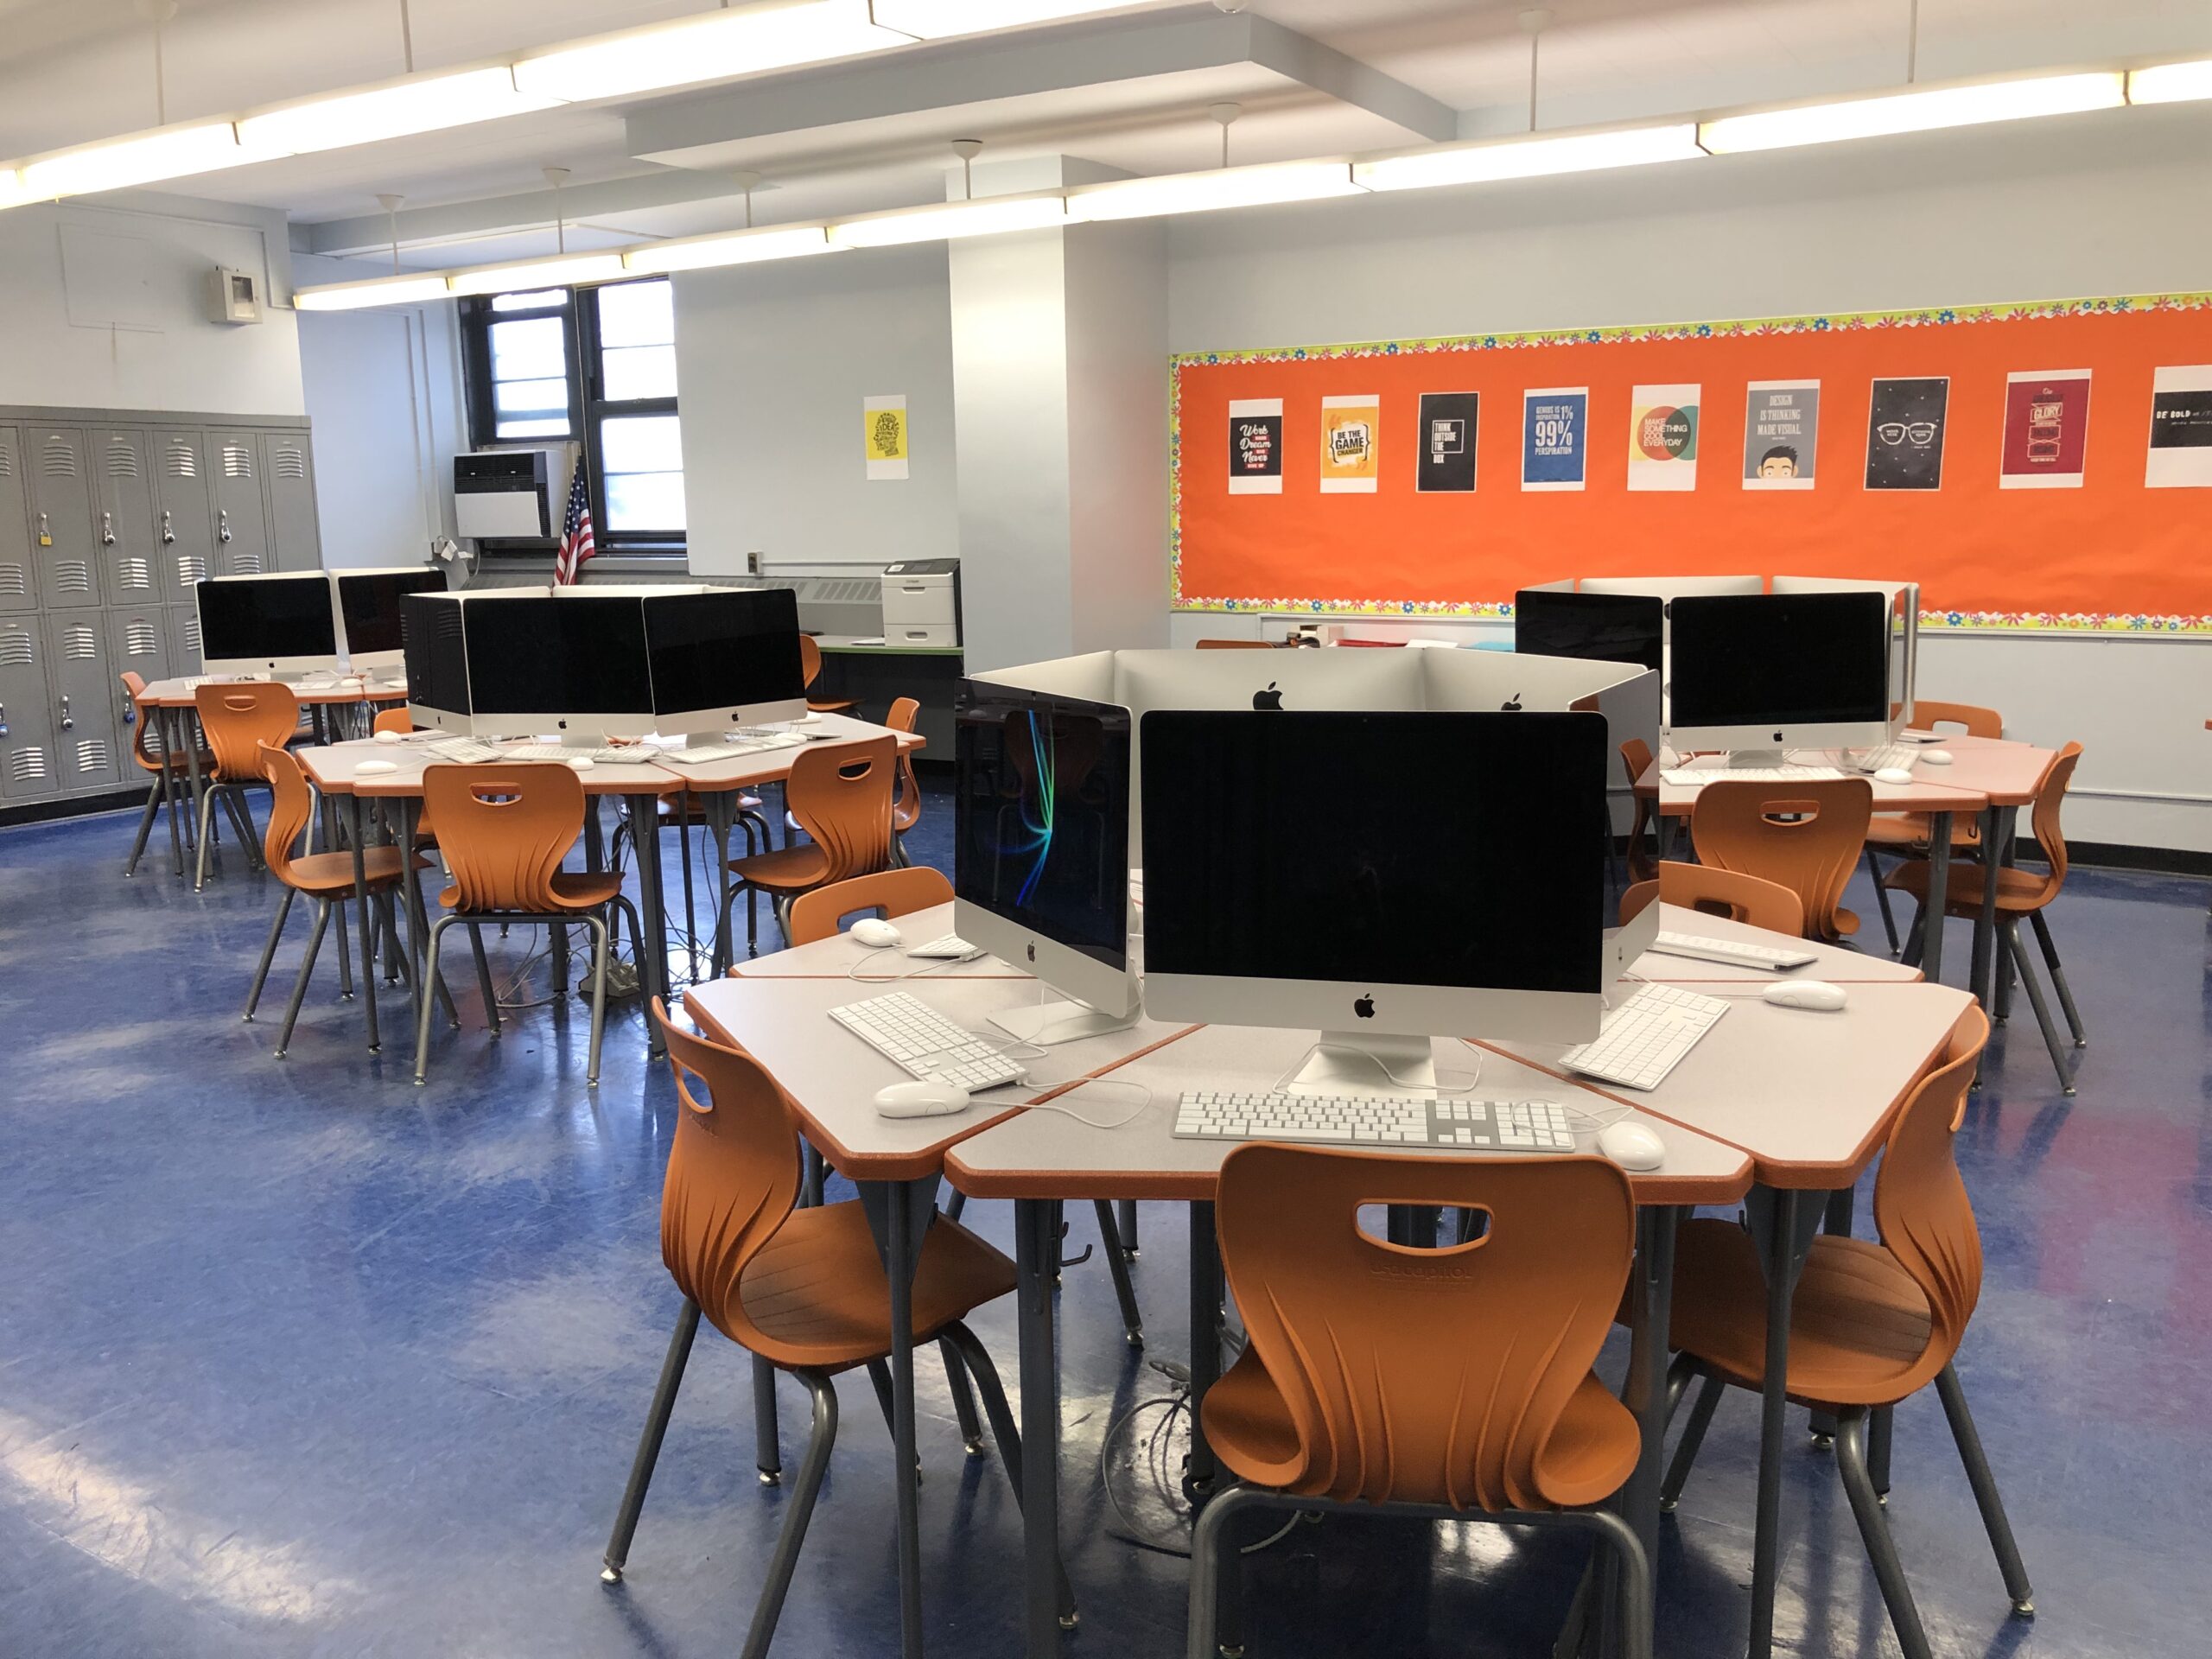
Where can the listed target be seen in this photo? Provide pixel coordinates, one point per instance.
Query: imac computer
(281, 626)
(368, 611)
(1458, 889)
(573, 669)
(437, 659)
(1903, 600)
(722, 656)
(1763, 673)
(1041, 851)
(1592, 627)
(1674, 587)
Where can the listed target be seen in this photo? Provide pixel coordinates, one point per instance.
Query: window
(594, 364)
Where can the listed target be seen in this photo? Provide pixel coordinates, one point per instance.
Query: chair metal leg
(145, 829)
(977, 1359)
(1874, 1531)
(1215, 1570)
(963, 1398)
(484, 977)
(1117, 1263)
(641, 1467)
(200, 860)
(879, 1375)
(955, 1206)
(1915, 938)
(602, 947)
(423, 1011)
(767, 1435)
(1685, 1449)
(345, 952)
(1882, 898)
(2060, 1059)
(269, 952)
(1125, 1222)
(1880, 1425)
(322, 909)
(2058, 979)
(241, 814)
(793, 1533)
(1953, 1393)
(811, 1178)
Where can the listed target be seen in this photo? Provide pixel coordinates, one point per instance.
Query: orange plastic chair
(2020, 893)
(1905, 835)
(842, 799)
(399, 721)
(168, 770)
(1452, 1384)
(1805, 836)
(1870, 1325)
(327, 879)
(803, 1289)
(906, 806)
(504, 829)
(816, 915)
(1721, 892)
(809, 665)
(1643, 833)
(236, 719)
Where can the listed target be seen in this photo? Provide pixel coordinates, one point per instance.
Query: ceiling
(1127, 92)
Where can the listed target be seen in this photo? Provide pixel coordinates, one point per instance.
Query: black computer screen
(557, 656)
(368, 602)
(1449, 849)
(435, 656)
(1596, 627)
(1041, 831)
(1779, 659)
(264, 618)
(724, 649)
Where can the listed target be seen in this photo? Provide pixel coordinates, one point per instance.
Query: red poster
(2046, 430)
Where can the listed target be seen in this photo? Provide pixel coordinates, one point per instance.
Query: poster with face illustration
(1904, 434)
(1781, 426)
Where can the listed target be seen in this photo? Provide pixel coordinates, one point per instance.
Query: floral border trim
(1944, 621)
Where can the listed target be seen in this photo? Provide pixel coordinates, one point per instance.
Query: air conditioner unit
(509, 494)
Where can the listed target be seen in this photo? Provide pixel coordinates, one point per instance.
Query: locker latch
(67, 723)
(107, 529)
(223, 519)
(168, 531)
(44, 536)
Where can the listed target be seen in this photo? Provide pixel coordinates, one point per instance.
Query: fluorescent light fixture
(12, 192)
(1198, 192)
(1528, 158)
(165, 153)
(1948, 106)
(382, 290)
(424, 104)
(931, 20)
(715, 45)
(736, 248)
(2171, 83)
(985, 216)
(558, 272)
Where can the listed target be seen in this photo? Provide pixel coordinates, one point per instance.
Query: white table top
(767, 765)
(2004, 771)
(1833, 964)
(1932, 790)
(841, 957)
(178, 691)
(1809, 1096)
(1043, 1154)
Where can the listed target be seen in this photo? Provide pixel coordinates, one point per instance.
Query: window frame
(598, 410)
(477, 317)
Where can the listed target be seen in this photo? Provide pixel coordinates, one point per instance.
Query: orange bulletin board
(2054, 508)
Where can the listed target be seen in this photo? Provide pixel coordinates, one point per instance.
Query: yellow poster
(885, 436)
(1349, 427)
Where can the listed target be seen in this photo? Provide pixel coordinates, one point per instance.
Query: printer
(921, 602)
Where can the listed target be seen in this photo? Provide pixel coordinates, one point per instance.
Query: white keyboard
(919, 1039)
(700, 754)
(1377, 1120)
(464, 751)
(1735, 952)
(1883, 755)
(604, 754)
(1642, 1040)
(950, 948)
(1694, 777)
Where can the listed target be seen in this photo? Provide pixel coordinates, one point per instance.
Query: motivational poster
(2046, 430)
(1349, 425)
(1555, 438)
(1905, 422)
(1447, 463)
(1662, 438)
(2181, 429)
(1782, 423)
(1256, 445)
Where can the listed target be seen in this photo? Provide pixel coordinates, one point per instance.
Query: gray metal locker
(241, 512)
(28, 772)
(288, 466)
(19, 575)
(122, 500)
(184, 639)
(61, 517)
(84, 714)
(138, 642)
(184, 511)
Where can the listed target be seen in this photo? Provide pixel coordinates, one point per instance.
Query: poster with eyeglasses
(1904, 434)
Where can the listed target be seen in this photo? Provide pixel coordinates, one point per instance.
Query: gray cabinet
(61, 518)
(241, 510)
(84, 714)
(123, 503)
(27, 765)
(288, 468)
(184, 511)
(18, 574)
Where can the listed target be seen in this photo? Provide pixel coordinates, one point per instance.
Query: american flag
(576, 544)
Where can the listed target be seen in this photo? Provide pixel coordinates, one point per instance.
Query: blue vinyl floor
(296, 1359)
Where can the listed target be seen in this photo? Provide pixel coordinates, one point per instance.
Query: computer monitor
(1762, 674)
(1673, 586)
(278, 625)
(723, 657)
(434, 648)
(1457, 888)
(1593, 627)
(573, 669)
(1904, 601)
(368, 611)
(1041, 851)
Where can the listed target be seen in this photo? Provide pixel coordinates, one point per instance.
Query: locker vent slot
(58, 459)
(137, 574)
(237, 460)
(246, 564)
(73, 577)
(181, 460)
(92, 756)
(15, 582)
(17, 651)
(28, 764)
(122, 459)
(80, 644)
(292, 462)
(141, 639)
(191, 569)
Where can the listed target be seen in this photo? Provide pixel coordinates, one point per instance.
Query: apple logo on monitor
(1365, 1007)
(1033, 950)
(1270, 698)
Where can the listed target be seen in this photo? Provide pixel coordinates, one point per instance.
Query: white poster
(1662, 438)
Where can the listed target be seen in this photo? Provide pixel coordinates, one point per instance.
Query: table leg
(719, 808)
(1996, 855)
(188, 728)
(1646, 1389)
(652, 949)
(1776, 1216)
(1206, 1344)
(900, 1213)
(368, 929)
(1036, 1249)
(1939, 890)
(171, 804)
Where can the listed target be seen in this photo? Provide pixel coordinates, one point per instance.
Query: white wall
(2118, 203)
(106, 307)
(772, 363)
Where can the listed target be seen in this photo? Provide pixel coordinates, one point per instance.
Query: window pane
(641, 443)
(640, 371)
(537, 299)
(638, 501)
(637, 313)
(534, 350)
(533, 429)
(532, 398)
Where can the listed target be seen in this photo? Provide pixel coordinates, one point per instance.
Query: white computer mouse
(1817, 994)
(582, 763)
(921, 1098)
(387, 737)
(373, 768)
(809, 718)
(1632, 1145)
(875, 933)
(1893, 775)
(1937, 756)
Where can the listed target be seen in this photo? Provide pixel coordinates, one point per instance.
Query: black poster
(2181, 420)
(1256, 445)
(1905, 434)
(1447, 441)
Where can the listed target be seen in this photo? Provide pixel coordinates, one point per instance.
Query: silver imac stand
(1743, 759)
(1367, 1063)
(1044, 1024)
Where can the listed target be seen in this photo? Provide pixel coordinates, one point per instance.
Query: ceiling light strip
(2171, 83)
(1919, 111)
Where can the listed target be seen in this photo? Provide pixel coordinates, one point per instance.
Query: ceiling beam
(460, 221)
